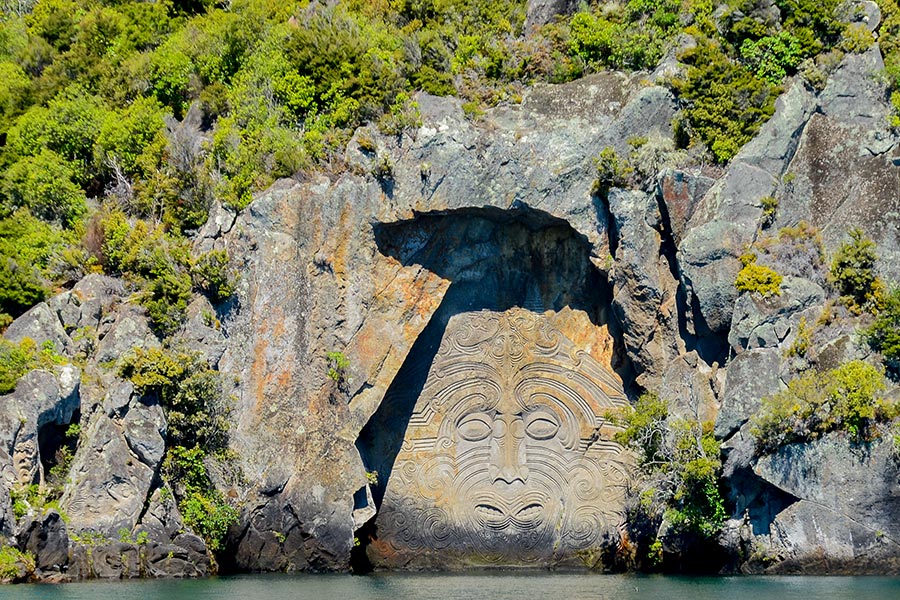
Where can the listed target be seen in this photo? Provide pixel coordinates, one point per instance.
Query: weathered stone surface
(41, 398)
(127, 329)
(86, 303)
(847, 519)
(752, 375)
(690, 387)
(113, 472)
(680, 192)
(508, 457)
(45, 536)
(644, 289)
(314, 280)
(844, 173)
(766, 322)
(541, 12)
(41, 325)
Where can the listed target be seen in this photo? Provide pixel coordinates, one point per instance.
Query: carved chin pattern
(507, 456)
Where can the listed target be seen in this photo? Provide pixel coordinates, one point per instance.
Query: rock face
(845, 517)
(424, 359)
(508, 457)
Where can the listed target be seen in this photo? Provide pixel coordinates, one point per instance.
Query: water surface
(481, 586)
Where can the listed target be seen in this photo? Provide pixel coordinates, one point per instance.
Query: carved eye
(542, 427)
(474, 428)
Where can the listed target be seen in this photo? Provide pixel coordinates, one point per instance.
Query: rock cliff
(383, 260)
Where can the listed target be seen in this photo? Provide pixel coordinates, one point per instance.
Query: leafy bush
(187, 388)
(337, 365)
(844, 399)
(770, 207)
(883, 335)
(853, 272)
(773, 56)
(680, 466)
(28, 249)
(212, 275)
(612, 171)
(14, 563)
(726, 102)
(43, 184)
(757, 278)
(158, 262)
(202, 507)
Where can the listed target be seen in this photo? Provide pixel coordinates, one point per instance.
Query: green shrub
(726, 102)
(757, 278)
(802, 340)
(612, 171)
(770, 208)
(14, 563)
(202, 507)
(212, 275)
(187, 388)
(772, 57)
(337, 365)
(845, 399)
(166, 299)
(680, 466)
(18, 359)
(856, 38)
(68, 126)
(883, 335)
(43, 184)
(853, 272)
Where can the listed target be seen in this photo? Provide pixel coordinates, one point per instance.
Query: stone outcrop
(443, 228)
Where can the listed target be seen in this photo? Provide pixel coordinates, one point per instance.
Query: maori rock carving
(508, 457)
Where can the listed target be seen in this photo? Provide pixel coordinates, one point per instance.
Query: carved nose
(507, 451)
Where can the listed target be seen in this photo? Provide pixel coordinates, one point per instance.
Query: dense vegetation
(116, 111)
(849, 398)
(680, 468)
(197, 418)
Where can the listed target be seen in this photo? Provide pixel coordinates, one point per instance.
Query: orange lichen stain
(258, 372)
(278, 330)
(345, 239)
(577, 326)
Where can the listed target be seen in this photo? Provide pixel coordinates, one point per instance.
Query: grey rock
(839, 351)
(850, 499)
(113, 471)
(642, 283)
(129, 329)
(202, 331)
(680, 192)
(852, 92)
(688, 386)
(774, 146)
(40, 398)
(41, 325)
(541, 12)
(45, 537)
(751, 376)
(86, 303)
(765, 322)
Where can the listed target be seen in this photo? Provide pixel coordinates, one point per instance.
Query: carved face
(507, 453)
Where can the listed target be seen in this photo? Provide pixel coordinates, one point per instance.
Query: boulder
(44, 535)
(114, 469)
(41, 325)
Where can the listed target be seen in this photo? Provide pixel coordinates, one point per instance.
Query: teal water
(486, 586)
